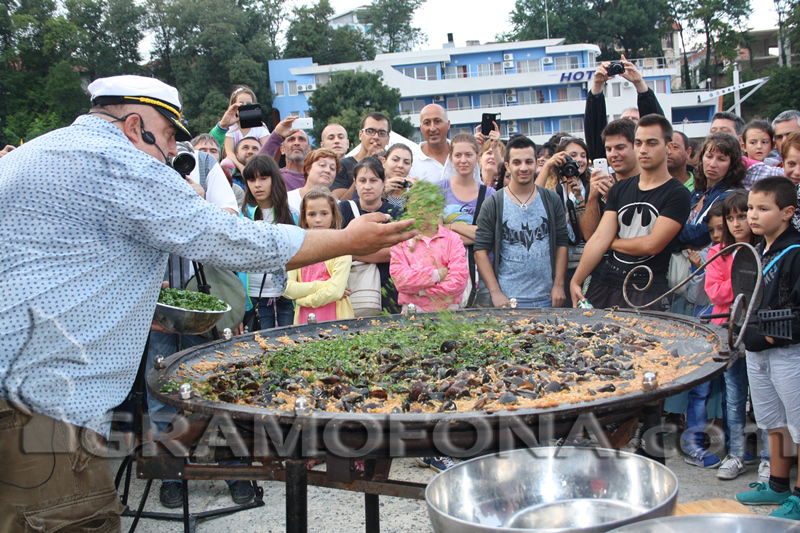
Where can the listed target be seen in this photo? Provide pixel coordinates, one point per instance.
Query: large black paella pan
(512, 401)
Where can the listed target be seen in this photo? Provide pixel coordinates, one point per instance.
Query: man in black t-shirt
(640, 226)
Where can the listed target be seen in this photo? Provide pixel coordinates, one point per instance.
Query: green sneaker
(762, 495)
(790, 509)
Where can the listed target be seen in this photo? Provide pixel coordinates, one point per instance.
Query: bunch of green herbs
(193, 301)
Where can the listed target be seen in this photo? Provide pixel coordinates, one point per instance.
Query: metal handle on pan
(734, 338)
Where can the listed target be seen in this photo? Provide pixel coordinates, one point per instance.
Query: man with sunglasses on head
(374, 136)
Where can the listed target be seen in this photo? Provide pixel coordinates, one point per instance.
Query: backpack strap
(775, 260)
(354, 208)
(473, 268)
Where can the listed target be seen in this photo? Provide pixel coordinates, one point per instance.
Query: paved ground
(336, 511)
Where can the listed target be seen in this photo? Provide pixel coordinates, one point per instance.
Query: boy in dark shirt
(643, 217)
(773, 365)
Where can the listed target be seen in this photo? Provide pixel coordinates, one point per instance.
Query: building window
(529, 65)
(532, 96)
(571, 124)
(296, 114)
(279, 88)
(615, 90)
(454, 103)
(322, 79)
(493, 100)
(503, 129)
(455, 130)
(458, 71)
(566, 62)
(420, 73)
(292, 88)
(490, 69)
(533, 127)
(658, 86)
(411, 106)
(561, 94)
(574, 93)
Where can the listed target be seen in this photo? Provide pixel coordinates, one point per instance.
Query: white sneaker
(731, 467)
(763, 472)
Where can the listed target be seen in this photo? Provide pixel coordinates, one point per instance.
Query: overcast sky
(437, 18)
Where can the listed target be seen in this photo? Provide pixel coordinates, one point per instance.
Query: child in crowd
(430, 270)
(772, 362)
(242, 95)
(720, 291)
(696, 414)
(265, 199)
(758, 139)
(320, 288)
(696, 294)
(790, 153)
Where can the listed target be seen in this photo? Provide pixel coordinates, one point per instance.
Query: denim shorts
(774, 377)
(53, 478)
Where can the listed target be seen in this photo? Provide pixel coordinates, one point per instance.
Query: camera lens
(571, 168)
(615, 68)
(183, 163)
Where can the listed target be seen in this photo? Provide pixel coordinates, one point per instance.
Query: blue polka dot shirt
(87, 224)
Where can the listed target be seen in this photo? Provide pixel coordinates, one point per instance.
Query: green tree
(636, 26)
(310, 35)
(389, 25)
(211, 46)
(721, 23)
(348, 96)
(573, 20)
(108, 34)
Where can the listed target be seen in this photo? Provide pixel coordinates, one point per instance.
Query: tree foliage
(389, 25)
(721, 23)
(778, 94)
(636, 26)
(310, 35)
(348, 96)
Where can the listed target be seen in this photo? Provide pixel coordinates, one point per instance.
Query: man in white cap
(82, 255)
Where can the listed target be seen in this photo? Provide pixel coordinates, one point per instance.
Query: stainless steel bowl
(550, 489)
(729, 523)
(186, 321)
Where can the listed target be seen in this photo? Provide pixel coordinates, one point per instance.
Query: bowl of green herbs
(189, 312)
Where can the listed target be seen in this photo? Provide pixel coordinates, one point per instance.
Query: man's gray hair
(205, 137)
(786, 116)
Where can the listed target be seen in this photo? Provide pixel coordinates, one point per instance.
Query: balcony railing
(643, 64)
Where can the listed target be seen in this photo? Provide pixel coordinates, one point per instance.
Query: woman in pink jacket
(430, 270)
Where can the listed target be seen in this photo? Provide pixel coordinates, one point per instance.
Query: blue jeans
(735, 400)
(696, 418)
(275, 312)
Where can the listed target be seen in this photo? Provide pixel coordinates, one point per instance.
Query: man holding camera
(294, 145)
(595, 116)
(81, 266)
(640, 226)
(525, 227)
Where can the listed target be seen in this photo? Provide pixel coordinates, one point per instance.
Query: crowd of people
(562, 224)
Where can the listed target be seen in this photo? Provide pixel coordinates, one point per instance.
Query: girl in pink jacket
(430, 270)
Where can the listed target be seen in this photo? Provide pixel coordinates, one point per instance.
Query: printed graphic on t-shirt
(525, 235)
(635, 220)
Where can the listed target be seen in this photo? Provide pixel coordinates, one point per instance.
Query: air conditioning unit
(310, 87)
(508, 64)
(513, 126)
(547, 61)
(511, 99)
(511, 91)
(301, 88)
(438, 98)
(626, 84)
(508, 57)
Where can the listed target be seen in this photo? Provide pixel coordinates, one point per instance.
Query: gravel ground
(337, 511)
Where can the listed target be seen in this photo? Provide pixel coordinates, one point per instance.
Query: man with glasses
(374, 136)
(434, 163)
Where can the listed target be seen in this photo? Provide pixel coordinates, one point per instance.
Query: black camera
(183, 163)
(250, 116)
(570, 169)
(406, 184)
(615, 68)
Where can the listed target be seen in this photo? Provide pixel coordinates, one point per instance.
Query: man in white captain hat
(82, 255)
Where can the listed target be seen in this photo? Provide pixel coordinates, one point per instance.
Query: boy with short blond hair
(773, 365)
